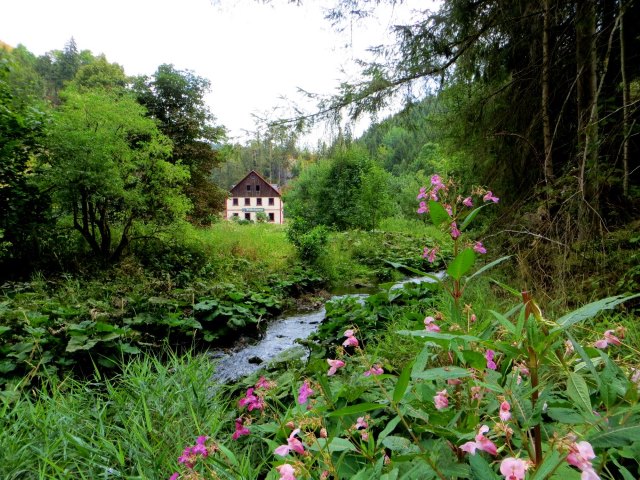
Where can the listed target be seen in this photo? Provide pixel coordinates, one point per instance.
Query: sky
(256, 55)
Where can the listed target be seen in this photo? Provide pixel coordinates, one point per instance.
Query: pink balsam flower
(505, 411)
(489, 355)
(351, 340)
(293, 443)
(455, 233)
(580, 455)
(423, 208)
(422, 194)
(430, 254)
(334, 366)
(481, 443)
(304, 392)
(430, 325)
(286, 471)
(240, 429)
(467, 202)
(375, 370)
(513, 468)
(489, 197)
(608, 339)
(441, 400)
(479, 248)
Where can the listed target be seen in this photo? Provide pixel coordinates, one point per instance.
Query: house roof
(238, 192)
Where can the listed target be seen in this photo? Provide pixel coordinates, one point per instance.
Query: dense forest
(487, 220)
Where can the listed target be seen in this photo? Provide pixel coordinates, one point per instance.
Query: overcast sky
(252, 53)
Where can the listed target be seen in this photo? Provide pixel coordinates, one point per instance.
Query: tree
(22, 206)
(175, 98)
(108, 167)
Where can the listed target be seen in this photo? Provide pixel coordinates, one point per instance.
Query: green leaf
(551, 461)
(402, 383)
(488, 266)
(461, 264)
(616, 437)
(591, 310)
(504, 321)
(469, 218)
(354, 409)
(80, 342)
(443, 373)
(335, 444)
(400, 266)
(437, 213)
(567, 416)
(4, 329)
(393, 423)
(438, 336)
(481, 468)
(578, 392)
(400, 444)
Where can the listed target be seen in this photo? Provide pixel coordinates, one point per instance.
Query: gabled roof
(261, 178)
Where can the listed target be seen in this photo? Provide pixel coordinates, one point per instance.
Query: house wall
(250, 206)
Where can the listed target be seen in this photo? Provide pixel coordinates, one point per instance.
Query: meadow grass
(131, 426)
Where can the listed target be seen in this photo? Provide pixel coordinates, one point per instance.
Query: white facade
(247, 208)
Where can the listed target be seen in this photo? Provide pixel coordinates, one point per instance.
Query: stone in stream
(255, 360)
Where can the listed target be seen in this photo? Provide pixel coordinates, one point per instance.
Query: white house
(252, 195)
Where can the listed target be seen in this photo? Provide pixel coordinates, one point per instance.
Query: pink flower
(292, 444)
(454, 381)
(286, 471)
(423, 208)
(513, 468)
(449, 210)
(361, 423)
(430, 254)
(489, 356)
(490, 198)
(422, 194)
(436, 181)
(467, 202)
(264, 383)
(251, 401)
(473, 318)
(175, 476)
(304, 392)
(580, 455)
(240, 429)
(335, 365)
(351, 340)
(375, 370)
(609, 339)
(505, 411)
(430, 326)
(455, 233)
(481, 443)
(479, 248)
(441, 400)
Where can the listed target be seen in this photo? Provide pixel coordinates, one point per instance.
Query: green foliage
(176, 100)
(23, 207)
(107, 167)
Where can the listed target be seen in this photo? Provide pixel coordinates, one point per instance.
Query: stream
(279, 340)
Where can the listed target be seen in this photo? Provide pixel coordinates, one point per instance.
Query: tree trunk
(546, 120)
(626, 93)
(587, 86)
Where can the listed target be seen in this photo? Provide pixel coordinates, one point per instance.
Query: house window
(272, 217)
(272, 201)
(258, 201)
(247, 201)
(247, 216)
(235, 214)
(235, 202)
(248, 188)
(257, 188)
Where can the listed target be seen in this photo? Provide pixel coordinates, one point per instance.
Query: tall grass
(133, 426)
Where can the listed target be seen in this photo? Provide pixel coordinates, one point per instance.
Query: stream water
(278, 341)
